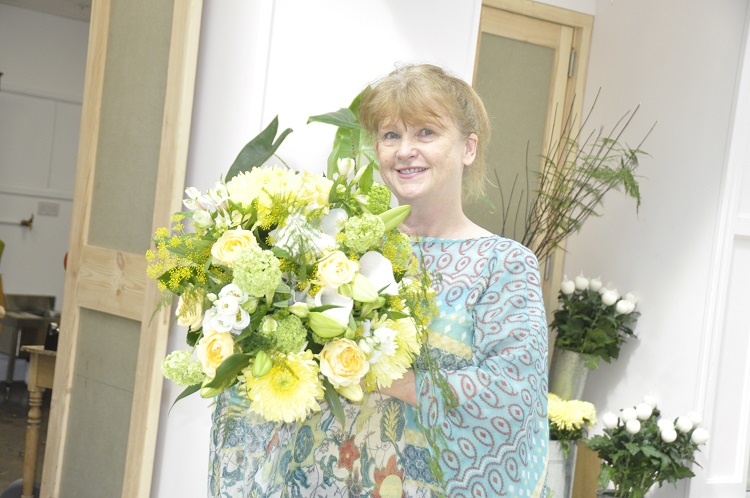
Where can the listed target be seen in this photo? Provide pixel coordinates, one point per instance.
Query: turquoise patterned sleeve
(496, 439)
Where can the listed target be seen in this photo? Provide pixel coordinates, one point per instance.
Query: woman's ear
(470, 152)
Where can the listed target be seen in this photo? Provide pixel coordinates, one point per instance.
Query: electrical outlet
(48, 208)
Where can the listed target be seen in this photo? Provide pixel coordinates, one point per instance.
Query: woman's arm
(404, 389)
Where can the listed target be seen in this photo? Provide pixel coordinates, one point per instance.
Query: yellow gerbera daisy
(289, 391)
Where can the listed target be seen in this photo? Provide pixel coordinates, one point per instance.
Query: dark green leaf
(229, 369)
(258, 150)
(184, 394)
(334, 403)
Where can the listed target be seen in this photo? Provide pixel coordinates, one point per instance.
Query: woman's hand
(404, 389)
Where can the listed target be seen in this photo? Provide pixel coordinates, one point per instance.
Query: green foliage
(258, 150)
(585, 325)
(576, 173)
(636, 462)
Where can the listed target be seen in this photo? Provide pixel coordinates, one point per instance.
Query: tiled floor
(13, 413)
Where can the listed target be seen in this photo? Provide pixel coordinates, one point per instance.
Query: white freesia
(567, 287)
(610, 420)
(699, 436)
(623, 307)
(683, 424)
(581, 283)
(595, 284)
(610, 297)
(330, 295)
(379, 270)
(633, 426)
(628, 414)
(668, 435)
(643, 411)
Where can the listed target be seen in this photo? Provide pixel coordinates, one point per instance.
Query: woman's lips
(410, 171)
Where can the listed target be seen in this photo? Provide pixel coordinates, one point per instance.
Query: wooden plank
(87, 148)
(542, 11)
(520, 27)
(112, 281)
(178, 106)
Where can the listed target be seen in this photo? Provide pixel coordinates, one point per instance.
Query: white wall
(43, 59)
(679, 59)
(292, 59)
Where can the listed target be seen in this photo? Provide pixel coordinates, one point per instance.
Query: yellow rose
(231, 244)
(190, 313)
(344, 364)
(213, 349)
(336, 269)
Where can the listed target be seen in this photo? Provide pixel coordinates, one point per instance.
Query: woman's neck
(441, 223)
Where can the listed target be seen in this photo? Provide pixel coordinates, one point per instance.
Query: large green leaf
(343, 118)
(229, 369)
(334, 403)
(184, 394)
(258, 150)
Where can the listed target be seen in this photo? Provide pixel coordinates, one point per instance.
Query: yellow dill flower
(289, 391)
(161, 232)
(178, 227)
(178, 216)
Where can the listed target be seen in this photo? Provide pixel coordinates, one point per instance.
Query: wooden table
(41, 376)
(16, 325)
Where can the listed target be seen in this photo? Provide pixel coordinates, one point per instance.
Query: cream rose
(344, 364)
(336, 269)
(190, 314)
(213, 349)
(231, 244)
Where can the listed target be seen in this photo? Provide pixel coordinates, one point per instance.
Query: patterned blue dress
(490, 341)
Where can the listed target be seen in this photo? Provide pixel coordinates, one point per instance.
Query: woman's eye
(390, 135)
(426, 132)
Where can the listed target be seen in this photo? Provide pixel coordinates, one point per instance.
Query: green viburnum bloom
(363, 232)
(257, 271)
(290, 334)
(181, 368)
(380, 199)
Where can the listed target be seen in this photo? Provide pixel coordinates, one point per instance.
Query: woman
(489, 340)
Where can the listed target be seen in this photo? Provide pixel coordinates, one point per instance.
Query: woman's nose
(405, 148)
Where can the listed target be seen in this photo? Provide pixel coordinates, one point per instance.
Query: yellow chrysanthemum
(570, 415)
(287, 393)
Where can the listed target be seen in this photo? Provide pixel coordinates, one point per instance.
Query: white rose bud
(683, 424)
(610, 297)
(581, 282)
(624, 307)
(695, 418)
(668, 435)
(609, 420)
(650, 399)
(664, 424)
(602, 290)
(567, 287)
(628, 414)
(633, 426)
(699, 436)
(631, 297)
(595, 284)
(643, 411)
(345, 166)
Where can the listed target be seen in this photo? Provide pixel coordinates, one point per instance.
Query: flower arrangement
(293, 286)
(569, 420)
(593, 320)
(640, 449)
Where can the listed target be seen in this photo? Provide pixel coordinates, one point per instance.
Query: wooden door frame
(121, 285)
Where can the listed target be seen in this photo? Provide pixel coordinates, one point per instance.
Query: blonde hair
(422, 93)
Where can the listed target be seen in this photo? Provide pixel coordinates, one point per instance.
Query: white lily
(379, 270)
(330, 296)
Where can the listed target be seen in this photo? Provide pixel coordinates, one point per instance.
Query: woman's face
(424, 163)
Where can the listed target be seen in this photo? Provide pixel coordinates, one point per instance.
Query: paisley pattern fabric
(490, 342)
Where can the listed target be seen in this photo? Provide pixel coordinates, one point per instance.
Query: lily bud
(394, 216)
(352, 392)
(262, 364)
(363, 290)
(299, 309)
(325, 326)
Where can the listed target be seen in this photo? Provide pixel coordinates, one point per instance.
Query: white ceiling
(73, 9)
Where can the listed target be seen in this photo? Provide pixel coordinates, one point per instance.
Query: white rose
(336, 269)
(683, 424)
(631, 297)
(643, 411)
(628, 414)
(610, 420)
(664, 424)
(213, 349)
(567, 287)
(610, 297)
(633, 426)
(595, 284)
(699, 436)
(651, 400)
(624, 307)
(231, 244)
(189, 316)
(668, 435)
(695, 418)
(344, 364)
(581, 282)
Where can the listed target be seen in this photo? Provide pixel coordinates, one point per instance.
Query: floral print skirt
(378, 452)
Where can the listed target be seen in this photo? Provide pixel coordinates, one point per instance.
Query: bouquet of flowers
(593, 320)
(639, 448)
(568, 420)
(294, 286)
